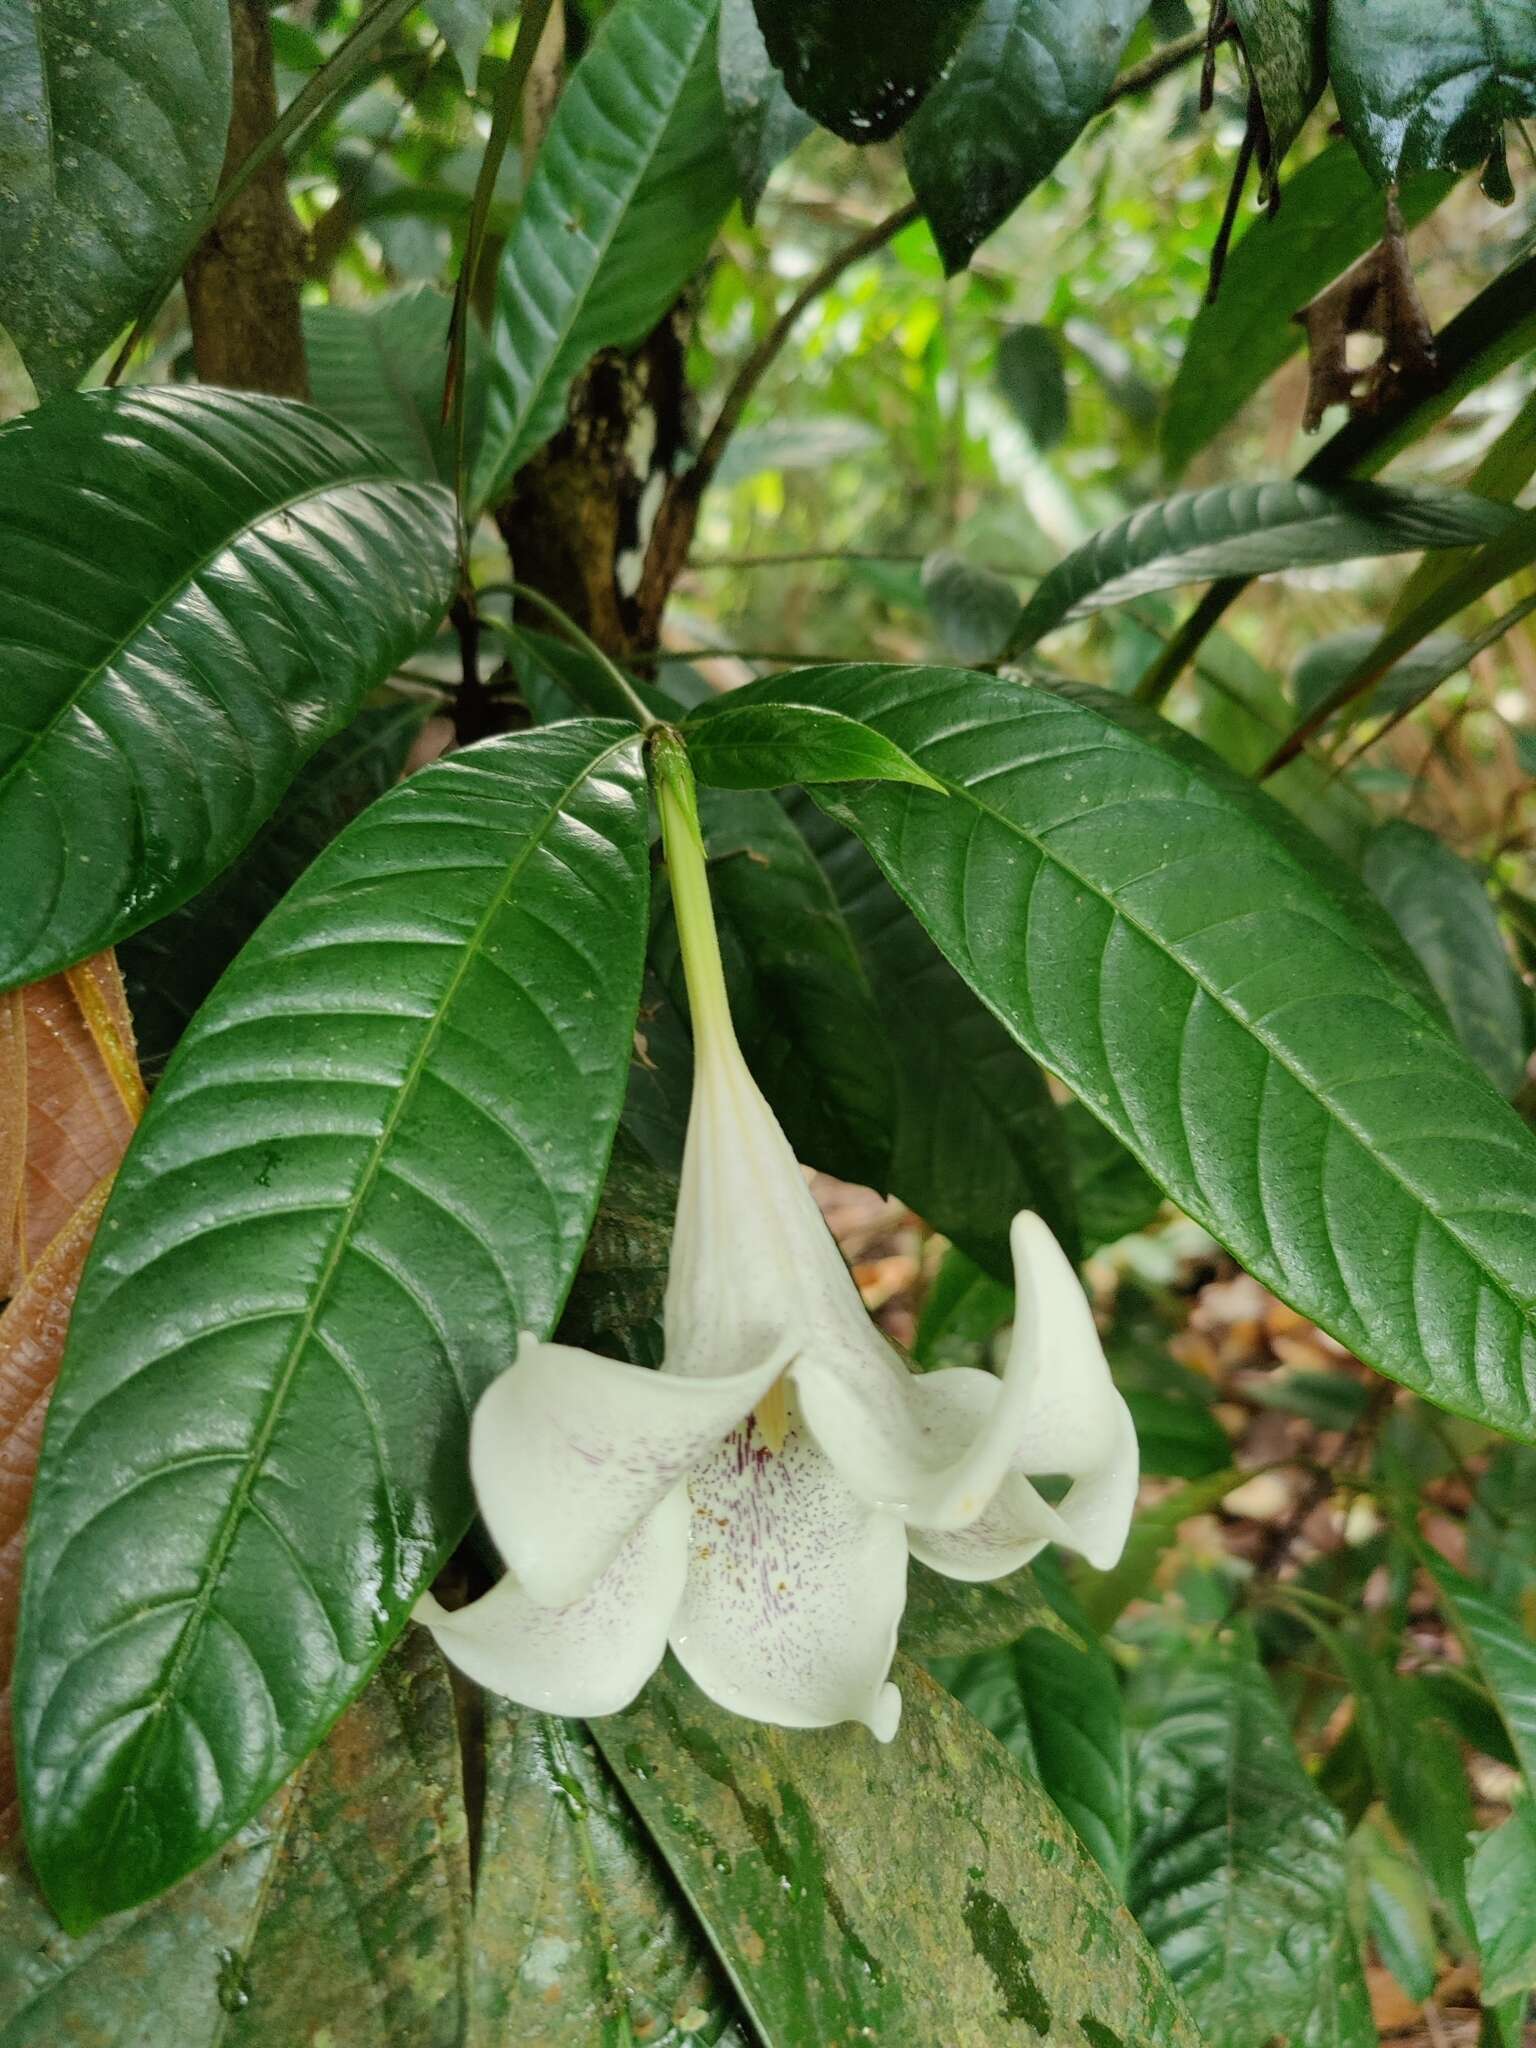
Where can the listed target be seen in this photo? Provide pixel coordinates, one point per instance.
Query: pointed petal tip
(884, 1718)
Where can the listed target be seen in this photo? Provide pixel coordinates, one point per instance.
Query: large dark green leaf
(379, 370)
(1424, 88)
(968, 1914)
(168, 676)
(1286, 44)
(1445, 914)
(1331, 215)
(767, 746)
(1029, 77)
(373, 1159)
(169, 967)
(628, 189)
(1237, 1864)
(1115, 1196)
(112, 131)
(580, 1936)
(340, 1916)
(764, 121)
(1252, 530)
(1054, 1702)
(861, 71)
(976, 1135)
(1323, 1126)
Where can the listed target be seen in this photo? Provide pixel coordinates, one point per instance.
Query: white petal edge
(589, 1658)
(795, 1589)
(1017, 1522)
(568, 1452)
(1055, 1406)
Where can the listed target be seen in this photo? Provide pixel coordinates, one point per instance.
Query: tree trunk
(244, 276)
(579, 518)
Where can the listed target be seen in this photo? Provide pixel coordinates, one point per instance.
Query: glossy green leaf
(1029, 77)
(1331, 216)
(114, 132)
(170, 966)
(626, 193)
(974, 610)
(969, 1913)
(379, 370)
(1501, 1884)
(1430, 88)
(767, 746)
(168, 678)
(1115, 1196)
(373, 1159)
(1032, 379)
(803, 1005)
(1445, 914)
(581, 1940)
(313, 1925)
(1397, 1909)
(861, 73)
(1055, 1704)
(976, 1136)
(1104, 1596)
(1286, 45)
(765, 123)
(1330, 1134)
(1251, 530)
(1237, 1867)
(1503, 1647)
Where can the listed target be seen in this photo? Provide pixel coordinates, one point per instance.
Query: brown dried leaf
(13, 1135)
(79, 1091)
(32, 1331)
(1376, 296)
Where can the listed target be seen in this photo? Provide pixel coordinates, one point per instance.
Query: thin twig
(523, 593)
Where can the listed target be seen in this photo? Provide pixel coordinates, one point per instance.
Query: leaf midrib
(233, 1514)
(1344, 1122)
(167, 598)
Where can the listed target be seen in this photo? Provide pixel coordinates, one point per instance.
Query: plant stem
(688, 871)
(524, 594)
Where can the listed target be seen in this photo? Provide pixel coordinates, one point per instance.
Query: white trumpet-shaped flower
(754, 1502)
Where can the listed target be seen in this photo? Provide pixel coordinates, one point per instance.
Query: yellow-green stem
(688, 869)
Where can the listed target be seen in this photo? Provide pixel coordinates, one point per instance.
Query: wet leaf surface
(968, 1915)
